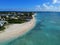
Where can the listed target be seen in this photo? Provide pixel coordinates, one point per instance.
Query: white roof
(2, 23)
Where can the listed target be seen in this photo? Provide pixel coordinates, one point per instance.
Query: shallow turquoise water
(46, 31)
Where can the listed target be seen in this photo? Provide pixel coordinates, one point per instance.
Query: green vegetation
(15, 17)
(12, 21)
(2, 28)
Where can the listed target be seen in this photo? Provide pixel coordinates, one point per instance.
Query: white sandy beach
(16, 30)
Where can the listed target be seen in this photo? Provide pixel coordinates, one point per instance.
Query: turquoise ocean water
(46, 31)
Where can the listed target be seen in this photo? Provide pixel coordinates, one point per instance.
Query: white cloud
(56, 1)
(46, 7)
(38, 7)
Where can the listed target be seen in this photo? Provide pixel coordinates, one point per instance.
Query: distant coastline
(16, 30)
(8, 17)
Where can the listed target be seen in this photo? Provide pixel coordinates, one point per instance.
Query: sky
(32, 5)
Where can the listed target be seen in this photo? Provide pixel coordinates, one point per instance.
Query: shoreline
(16, 30)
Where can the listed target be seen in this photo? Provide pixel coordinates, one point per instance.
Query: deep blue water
(46, 31)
